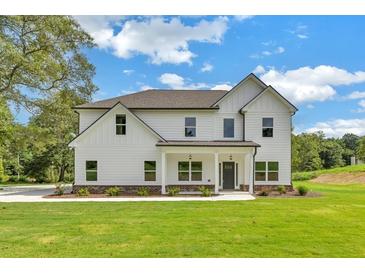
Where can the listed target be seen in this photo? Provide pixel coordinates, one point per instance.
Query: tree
(57, 123)
(350, 144)
(331, 153)
(305, 152)
(361, 148)
(6, 127)
(41, 55)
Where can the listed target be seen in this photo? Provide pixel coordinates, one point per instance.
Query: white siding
(120, 157)
(88, 116)
(277, 148)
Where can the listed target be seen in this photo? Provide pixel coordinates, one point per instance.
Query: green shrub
(205, 192)
(173, 191)
(304, 176)
(83, 192)
(281, 189)
(60, 189)
(302, 190)
(23, 179)
(143, 191)
(13, 179)
(264, 192)
(4, 179)
(112, 191)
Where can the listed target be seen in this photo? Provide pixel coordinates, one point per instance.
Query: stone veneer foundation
(190, 188)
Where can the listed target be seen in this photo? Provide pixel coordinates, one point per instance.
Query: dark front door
(228, 175)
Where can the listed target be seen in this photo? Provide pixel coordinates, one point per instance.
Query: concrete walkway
(35, 193)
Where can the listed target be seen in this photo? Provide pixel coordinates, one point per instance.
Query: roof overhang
(208, 144)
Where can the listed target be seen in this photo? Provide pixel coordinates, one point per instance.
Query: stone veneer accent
(268, 187)
(132, 189)
(190, 188)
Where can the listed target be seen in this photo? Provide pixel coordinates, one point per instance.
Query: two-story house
(225, 140)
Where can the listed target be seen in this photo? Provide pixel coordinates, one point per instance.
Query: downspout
(253, 170)
(243, 126)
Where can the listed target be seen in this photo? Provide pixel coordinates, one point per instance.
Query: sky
(316, 62)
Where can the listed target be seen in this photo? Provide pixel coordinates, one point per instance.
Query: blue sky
(317, 62)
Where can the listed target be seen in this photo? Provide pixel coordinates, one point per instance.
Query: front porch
(220, 166)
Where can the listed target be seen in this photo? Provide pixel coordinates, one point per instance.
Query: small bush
(112, 191)
(205, 192)
(173, 191)
(264, 192)
(302, 190)
(143, 191)
(23, 179)
(83, 192)
(13, 179)
(60, 189)
(281, 189)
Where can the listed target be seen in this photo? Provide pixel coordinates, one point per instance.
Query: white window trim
(234, 127)
(121, 124)
(147, 170)
(190, 171)
(267, 171)
(195, 127)
(262, 129)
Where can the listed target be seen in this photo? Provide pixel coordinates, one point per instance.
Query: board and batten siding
(278, 147)
(120, 157)
(88, 116)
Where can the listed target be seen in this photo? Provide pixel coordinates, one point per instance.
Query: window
(267, 171)
(190, 127)
(190, 171)
(183, 171)
(260, 171)
(228, 124)
(150, 170)
(91, 170)
(273, 171)
(196, 171)
(267, 127)
(120, 124)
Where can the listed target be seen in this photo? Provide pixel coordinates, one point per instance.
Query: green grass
(307, 175)
(332, 225)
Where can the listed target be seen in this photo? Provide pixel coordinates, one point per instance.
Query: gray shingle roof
(163, 99)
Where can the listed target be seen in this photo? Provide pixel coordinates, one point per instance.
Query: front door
(228, 175)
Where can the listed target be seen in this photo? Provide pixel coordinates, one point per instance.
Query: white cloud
(128, 71)
(175, 81)
(259, 69)
(362, 103)
(242, 17)
(311, 84)
(310, 106)
(162, 40)
(207, 67)
(278, 50)
(145, 87)
(339, 127)
(222, 87)
(300, 31)
(356, 95)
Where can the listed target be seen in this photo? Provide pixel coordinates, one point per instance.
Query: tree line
(313, 151)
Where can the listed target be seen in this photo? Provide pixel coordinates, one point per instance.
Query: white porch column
(163, 172)
(216, 173)
(251, 171)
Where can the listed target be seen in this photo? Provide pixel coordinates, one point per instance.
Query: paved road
(35, 193)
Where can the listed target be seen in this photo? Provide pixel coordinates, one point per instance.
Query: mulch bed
(70, 195)
(291, 194)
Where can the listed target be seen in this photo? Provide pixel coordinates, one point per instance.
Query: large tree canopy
(40, 55)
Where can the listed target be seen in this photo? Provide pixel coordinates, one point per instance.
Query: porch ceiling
(208, 144)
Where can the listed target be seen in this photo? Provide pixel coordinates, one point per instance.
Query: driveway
(35, 193)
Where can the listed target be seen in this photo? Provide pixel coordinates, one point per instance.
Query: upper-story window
(267, 127)
(228, 124)
(190, 127)
(120, 124)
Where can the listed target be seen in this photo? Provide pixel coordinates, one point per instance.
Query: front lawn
(332, 225)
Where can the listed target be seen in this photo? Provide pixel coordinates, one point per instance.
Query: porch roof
(208, 144)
